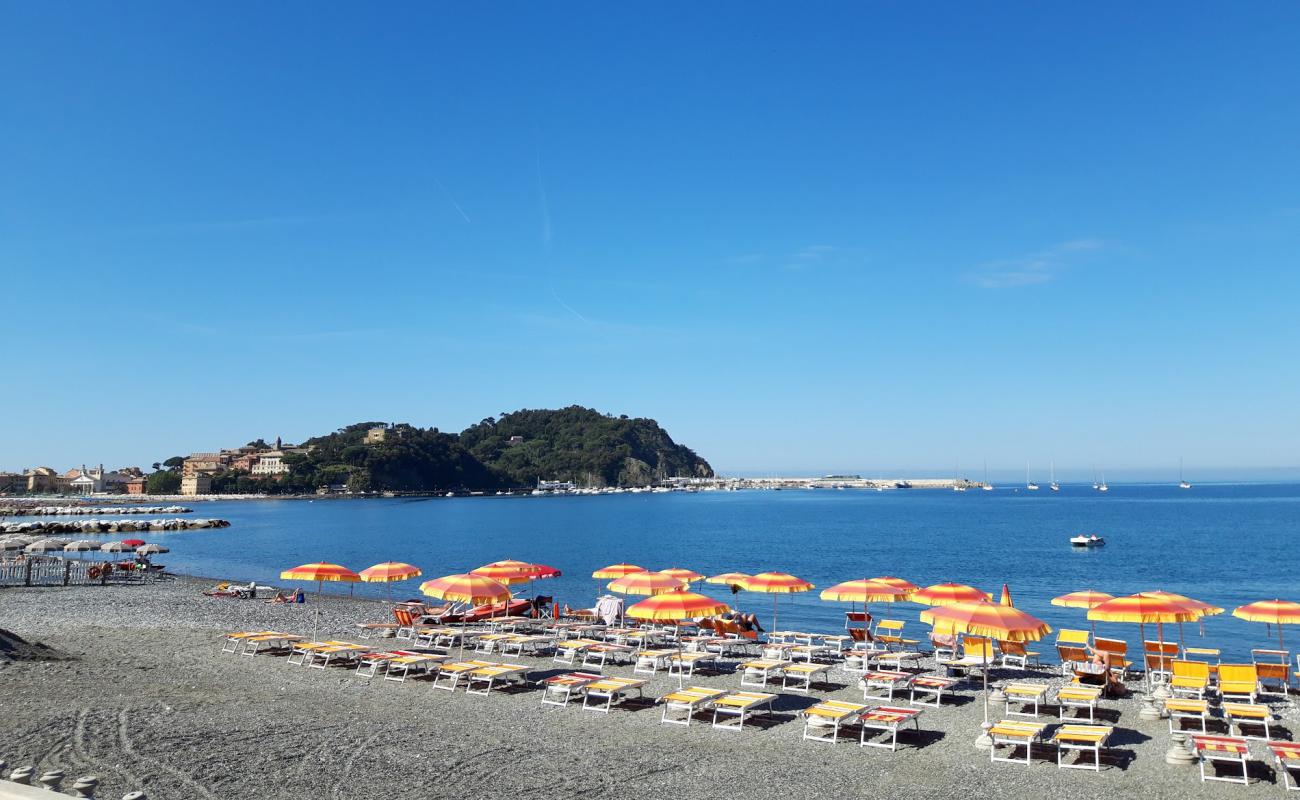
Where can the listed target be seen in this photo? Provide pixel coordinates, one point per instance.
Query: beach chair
(321, 657)
(1215, 750)
(731, 709)
(368, 664)
(1287, 757)
(399, 668)
(977, 653)
(558, 690)
(569, 651)
(405, 623)
(800, 677)
(822, 722)
(1180, 709)
(303, 651)
(887, 719)
(894, 659)
(495, 675)
(1254, 715)
(760, 671)
(1079, 697)
(1081, 738)
(232, 642)
(889, 632)
(1071, 637)
(1158, 656)
(520, 644)
(686, 663)
(1016, 654)
(686, 702)
(267, 643)
(931, 685)
(598, 655)
(1071, 656)
(1015, 733)
(885, 681)
(1024, 694)
(649, 662)
(450, 674)
(1189, 678)
(1238, 682)
(1117, 650)
(611, 692)
(1272, 678)
(944, 647)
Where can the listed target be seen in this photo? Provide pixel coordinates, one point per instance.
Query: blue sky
(868, 237)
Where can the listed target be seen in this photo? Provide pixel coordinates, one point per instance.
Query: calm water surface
(1226, 544)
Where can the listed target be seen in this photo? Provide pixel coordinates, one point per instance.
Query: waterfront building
(196, 484)
(202, 463)
(136, 485)
(271, 463)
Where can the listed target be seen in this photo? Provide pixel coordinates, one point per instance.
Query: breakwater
(93, 526)
(89, 511)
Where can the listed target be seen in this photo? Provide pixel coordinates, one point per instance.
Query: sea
(1226, 544)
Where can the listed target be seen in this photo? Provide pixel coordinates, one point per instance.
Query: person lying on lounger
(747, 622)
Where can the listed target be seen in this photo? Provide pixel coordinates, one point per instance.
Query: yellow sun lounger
(1079, 697)
(1179, 709)
(253, 645)
(400, 667)
(520, 643)
(822, 722)
(740, 705)
(1255, 715)
(1083, 738)
(686, 702)
(800, 677)
(1238, 682)
(685, 663)
(1015, 733)
(612, 691)
(558, 690)
(495, 675)
(759, 671)
(569, 650)
(304, 650)
(649, 662)
(1025, 694)
(231, 642)
(320, 657)
(1189, 678)
(449, 675)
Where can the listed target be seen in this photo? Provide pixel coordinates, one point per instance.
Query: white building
(271, 463)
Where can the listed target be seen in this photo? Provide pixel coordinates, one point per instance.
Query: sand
(140, 697)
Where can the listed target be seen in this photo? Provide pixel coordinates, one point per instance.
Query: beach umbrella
(732, 579)
(863, 591)
(688, 575)
(1271, 612)
(1142, 608)
(982, 618)
(389, 572)
(466, 588)
(616, 571)
(650, 583)
(152, 549)
(133, 542)
(775, 584)
(46, 546)
(80, 546)
(512, 572)
(890, 580)
(1006, 596)
(320, 572)
(946, 594)
(1202, 610)
(1086, 598)
(13, 543)
(675, 607)
(114, 547)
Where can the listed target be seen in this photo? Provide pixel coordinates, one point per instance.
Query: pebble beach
(138, 694)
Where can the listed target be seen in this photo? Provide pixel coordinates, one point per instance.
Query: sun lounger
(886, 681)
(931, 685)
(304, 650)
(685, 663)
(894, 659)
(740, 705)
(888, 719)
(597, 656)
(1238, 682)
(523, 644)
(800, 677)
(1071, 656)
(1215, 750)
(1118, 649)
(267, 642)
(558, 690)
(568, 651)
(760, 671)
(368, 664)
(1083, 738)
(1016, 654)
(1180, 709)
(232, 642)
(495, 675)
(686, 702)
(649, 662)
(1024, 694)
(1272, 678)
(1079, 697)
(1189, 678)
(860, 659)
(1015, 733)
(1254, 715)
(450, 674)
(611, 692)
(487, 642)
(1287, 757)
(400, 667)
(822, 722)
(889, 632)
(320, 657)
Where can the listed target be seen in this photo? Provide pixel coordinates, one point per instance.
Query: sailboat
(1054, 486)
(957, 485)
(1102, 487)
(988, 487)
(1030, 485)
(1182, 482)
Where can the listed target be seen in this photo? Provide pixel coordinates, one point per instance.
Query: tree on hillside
(175, 462)
(163, 482)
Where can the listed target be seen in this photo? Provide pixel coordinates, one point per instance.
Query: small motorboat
(1091, 540)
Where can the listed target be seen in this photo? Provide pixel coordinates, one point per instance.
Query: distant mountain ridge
(513, 451)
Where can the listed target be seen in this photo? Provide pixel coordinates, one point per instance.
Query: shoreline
(148, 703)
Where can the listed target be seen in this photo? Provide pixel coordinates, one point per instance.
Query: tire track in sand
(337, 790)
(194, 788)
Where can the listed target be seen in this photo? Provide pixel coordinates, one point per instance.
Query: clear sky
(831, 236)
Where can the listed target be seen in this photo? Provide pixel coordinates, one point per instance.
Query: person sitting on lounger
(747, 622)
(281, 597)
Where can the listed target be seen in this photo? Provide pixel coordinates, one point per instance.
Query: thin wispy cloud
(453, 202)
(1033, 269)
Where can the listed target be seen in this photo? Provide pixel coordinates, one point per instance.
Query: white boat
(988, 487)
(1102, 487)
(1092, 540)
(1182, 482)
(1054, 486)
(1030, 485)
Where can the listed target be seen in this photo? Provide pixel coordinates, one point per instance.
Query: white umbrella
(81, 546)
(46, 546)
(114, 547)
(13, 543)
(151, 549)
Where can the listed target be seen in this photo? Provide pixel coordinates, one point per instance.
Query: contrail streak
(452, 200)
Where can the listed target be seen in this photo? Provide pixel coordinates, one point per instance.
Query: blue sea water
(1227, 544)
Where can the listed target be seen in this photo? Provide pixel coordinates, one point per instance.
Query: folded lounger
(1084, 738)
(1231, 750)
(686, 702)
(888, 719)
(740, 705)
(1015, 733)
(611, 691)
(822, 722)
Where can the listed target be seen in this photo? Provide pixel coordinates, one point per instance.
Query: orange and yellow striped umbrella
(617, 571)
(1201, 608)
(466, 588)
(320, 571)
(1271, 612)
(1143, 608)
(687, 575)
(729, 578)
(1083, 599)
(509, 572)
(775, 584)
(389, 571)
(651, 583)
(672, 606)
(993, 620)
(863, 591)
(946, 594)
(890, 580)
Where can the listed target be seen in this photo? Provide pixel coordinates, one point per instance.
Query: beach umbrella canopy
(674, 606)
(890, 580)
(651, 583)
(1271, 612)
(388, 572)
(1201, 608)
(1143, 608)
(617, 571)
(687, 575)
(320, 572)
(133, 542)
(863, 591)
(509, 572)
(13, 543)
(946, 594)
(151, 549)
(775, 584)
(81, 546)
(547, 572)
(114, 547)
(466, 588)
(729, 579)
(1082, 599)
(46, 546)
